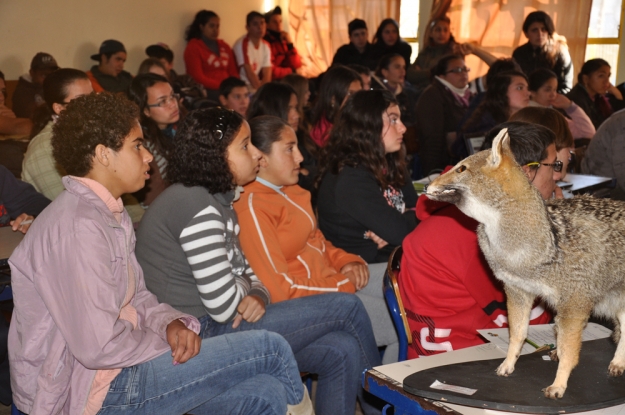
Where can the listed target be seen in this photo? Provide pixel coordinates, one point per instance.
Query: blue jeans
(243, 373)
(331, 336)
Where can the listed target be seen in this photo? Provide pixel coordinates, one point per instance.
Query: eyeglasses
(557, 165)
(165, 102)
(459, 69)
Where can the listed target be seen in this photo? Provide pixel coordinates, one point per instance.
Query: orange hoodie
(284, 247)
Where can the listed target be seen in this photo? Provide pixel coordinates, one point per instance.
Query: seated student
(234, 95)
(159, 117)
(253, 53)
(190, 90)
(386, 40)
(193, 260)
(280, 100)
(109, 74)
(446, 285)
(39, 167)
(208, 59)
(358, 50)
(86, 335)
(368, 191)
(301, 86)
(594, 93)
(338, 83)
(440, 42)
(545, 49)
(556, 122)
(365, 197)
(440, 109)
(151, 65)
(543, 87)
(28, 94)
(365, 75)
(506, 94)
(391, 75)
(9, 123)
(605, 155)
(279, 235)
(284, 57)
(19, 201)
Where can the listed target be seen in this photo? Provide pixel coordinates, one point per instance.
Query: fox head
(482, 183)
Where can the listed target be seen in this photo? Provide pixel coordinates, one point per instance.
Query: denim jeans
(242, 373)
(331, 336)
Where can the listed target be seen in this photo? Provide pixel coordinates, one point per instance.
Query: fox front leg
(519, 308)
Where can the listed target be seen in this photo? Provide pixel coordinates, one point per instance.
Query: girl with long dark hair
(160, 113)
(209, 60)
(338, 83)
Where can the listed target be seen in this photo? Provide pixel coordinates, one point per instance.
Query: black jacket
(530, 59)
(348, 54)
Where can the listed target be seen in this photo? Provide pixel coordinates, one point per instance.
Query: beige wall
(72, 30)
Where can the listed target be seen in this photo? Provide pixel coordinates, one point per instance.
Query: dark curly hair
(496, 101)
(87, 121)
(200, 153)
(356, 140)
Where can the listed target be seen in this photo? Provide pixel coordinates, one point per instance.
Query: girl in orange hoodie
(283, 244)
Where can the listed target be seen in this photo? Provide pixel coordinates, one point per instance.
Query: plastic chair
(395, 304)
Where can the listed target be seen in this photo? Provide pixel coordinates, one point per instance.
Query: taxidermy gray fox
(568, 252)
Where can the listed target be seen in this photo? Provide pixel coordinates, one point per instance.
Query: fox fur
(568, 252)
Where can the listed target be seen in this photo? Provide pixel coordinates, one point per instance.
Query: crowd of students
(266, 206)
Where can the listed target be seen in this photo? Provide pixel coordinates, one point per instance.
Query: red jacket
(206, 67)
(446, 285)
(284, 60)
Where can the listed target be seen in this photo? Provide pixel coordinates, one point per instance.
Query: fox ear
(499, 143)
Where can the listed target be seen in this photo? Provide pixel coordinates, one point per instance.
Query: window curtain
(497, 25)
(319, 27)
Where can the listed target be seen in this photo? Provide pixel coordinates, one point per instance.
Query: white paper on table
(541, 334)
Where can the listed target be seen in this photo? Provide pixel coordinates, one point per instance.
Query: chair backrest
(395, 304)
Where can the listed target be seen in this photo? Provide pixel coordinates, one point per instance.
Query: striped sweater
(189, 249)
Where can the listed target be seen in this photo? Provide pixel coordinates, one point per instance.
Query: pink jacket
(69, 279)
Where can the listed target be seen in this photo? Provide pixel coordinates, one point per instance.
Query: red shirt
(446, 285)
(206, 67)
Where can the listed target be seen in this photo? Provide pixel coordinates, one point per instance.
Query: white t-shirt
(258, 58)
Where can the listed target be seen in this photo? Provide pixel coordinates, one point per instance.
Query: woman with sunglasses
(160, 113)
(440, 109)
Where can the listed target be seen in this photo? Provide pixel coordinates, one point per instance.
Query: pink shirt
(104, 377)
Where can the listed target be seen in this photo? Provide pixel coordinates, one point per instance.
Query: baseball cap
(160, 50)
(109, 46)
(43, 61)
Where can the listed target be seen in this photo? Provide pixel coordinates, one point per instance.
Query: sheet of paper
(398, 371)
(541, 334)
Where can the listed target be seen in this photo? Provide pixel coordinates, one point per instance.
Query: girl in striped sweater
(189, 247)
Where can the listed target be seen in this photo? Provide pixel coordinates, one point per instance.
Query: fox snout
(443, 192)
